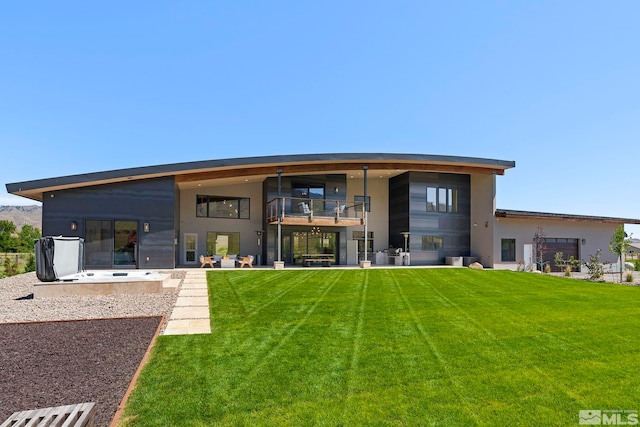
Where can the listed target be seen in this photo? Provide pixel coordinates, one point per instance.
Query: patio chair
(204, 260)
(245, 260)
(304, 208)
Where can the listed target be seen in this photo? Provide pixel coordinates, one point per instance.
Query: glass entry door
(97, 244)
(125, 243)
(190, 247)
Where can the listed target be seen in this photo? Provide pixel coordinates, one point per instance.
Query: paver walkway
(191, 313)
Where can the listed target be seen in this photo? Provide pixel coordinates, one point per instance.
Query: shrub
(629, 276)
(594, 266)
(10, 268)
(30, 265)
(547, 268)
(567, 271)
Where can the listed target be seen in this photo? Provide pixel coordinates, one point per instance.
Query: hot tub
(89, 283)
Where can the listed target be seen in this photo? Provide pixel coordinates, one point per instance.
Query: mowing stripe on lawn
(397, 347)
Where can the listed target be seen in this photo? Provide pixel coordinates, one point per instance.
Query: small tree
(30, 265)
(566, 265)
(619, 245)
(10, 268)
(594, 266)
(540, 242)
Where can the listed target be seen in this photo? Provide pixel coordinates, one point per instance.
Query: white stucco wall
(378, 218)
(483, 200)
(190, 223)
(596, 235)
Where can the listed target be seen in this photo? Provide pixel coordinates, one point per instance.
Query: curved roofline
(245, 166)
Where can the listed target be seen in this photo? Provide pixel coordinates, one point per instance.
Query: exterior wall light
(145, 227)
(74, 226)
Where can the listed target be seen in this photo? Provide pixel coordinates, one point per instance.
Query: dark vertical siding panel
(454, 228)
(151, 200)
(398, 209)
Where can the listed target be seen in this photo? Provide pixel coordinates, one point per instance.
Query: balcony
(300, 211)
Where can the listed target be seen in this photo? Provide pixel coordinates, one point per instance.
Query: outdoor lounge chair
(304, 208)
(204, 260)
(245, 260)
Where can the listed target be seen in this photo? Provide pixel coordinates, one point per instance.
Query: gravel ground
(17, 303)
(46, 363)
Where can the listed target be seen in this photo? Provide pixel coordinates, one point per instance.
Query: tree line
(14, 241)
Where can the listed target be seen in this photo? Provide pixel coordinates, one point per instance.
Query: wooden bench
(78, 415)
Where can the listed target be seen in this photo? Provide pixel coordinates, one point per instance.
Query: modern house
(412, 208)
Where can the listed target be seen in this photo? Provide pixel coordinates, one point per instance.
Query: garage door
(568, 247)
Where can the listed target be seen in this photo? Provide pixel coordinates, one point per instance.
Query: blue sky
(552, 85)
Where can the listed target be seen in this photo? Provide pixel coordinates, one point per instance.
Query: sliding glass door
(111, 244)
(312, 242)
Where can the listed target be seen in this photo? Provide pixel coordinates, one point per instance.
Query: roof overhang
(266, 166)
(513, 214)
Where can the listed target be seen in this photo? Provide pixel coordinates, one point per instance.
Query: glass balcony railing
(294, 209)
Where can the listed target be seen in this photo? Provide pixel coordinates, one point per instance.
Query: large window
(431, 243)
(358, 200)
(508, 250)
(222, 207)
(441, 199)
(359, 236)
(223, 243)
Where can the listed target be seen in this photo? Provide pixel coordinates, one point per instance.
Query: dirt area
(44, 364)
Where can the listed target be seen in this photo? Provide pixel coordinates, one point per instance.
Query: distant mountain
(22, 215)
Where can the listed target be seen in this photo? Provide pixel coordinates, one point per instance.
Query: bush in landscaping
(10, 268)
(629, 276)
(30, 265)
(594, 266)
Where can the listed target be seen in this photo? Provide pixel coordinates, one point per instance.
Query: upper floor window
(306, 191)
(442, 199)
(359, 200)
(222, 207)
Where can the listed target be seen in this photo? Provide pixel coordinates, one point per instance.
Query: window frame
(360, 199)
(233, 237)
(442, 199)
(203, 206)
(431, 243)
(510, 251)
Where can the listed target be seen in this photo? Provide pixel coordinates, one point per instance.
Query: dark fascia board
(178, 168)
(513, 214)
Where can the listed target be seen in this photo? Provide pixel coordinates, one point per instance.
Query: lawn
(396, 347)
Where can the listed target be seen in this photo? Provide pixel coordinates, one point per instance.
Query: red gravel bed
(46, 364)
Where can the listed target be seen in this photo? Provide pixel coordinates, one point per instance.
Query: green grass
(396, 347)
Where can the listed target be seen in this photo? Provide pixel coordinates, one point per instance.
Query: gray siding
(408, 212)
(152, 201)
